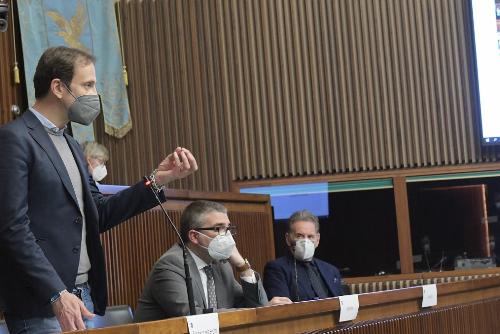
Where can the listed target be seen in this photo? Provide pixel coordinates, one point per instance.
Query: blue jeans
(19, 325)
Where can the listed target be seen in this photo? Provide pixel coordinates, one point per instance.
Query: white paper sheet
(203, 323)
(429, 295)
(349, 306)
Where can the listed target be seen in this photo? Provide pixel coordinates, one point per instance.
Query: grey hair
(193, 216)
(93, 149)
(303, 215)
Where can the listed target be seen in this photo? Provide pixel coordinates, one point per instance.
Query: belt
(78, 289)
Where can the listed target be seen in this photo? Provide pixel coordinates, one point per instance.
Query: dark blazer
(279, 279)
(41, 223)
(165, 293)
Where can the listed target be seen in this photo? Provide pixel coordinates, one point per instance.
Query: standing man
(208, 235)
(298, 275)
(51, 212)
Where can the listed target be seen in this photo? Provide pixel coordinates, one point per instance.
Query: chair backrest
(115, 315)
(3, 327)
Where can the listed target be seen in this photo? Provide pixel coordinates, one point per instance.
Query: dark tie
(318, 286)
(211, 296)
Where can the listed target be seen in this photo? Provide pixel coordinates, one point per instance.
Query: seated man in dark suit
(207, 233)
(299, 275)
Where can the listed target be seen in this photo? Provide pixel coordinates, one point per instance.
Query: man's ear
(57, 87)
(316, 244)
(288, 239)
(193, 237)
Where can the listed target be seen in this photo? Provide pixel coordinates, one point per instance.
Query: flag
(88, 25)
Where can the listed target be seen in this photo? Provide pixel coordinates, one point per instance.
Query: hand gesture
(280, 301)
(175, 166)
(69, 310)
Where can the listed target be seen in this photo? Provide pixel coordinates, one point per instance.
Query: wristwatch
(56, 297)
(244, 267)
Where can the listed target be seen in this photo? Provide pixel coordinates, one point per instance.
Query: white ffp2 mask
(99, 173)
(304, 249)
(221, 247)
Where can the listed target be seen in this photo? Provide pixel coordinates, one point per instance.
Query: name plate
(203, 323)
(349, 306)
(429, 295)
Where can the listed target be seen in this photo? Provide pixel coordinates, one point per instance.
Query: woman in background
(97, 155)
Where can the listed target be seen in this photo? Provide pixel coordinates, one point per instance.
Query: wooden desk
(323, 314)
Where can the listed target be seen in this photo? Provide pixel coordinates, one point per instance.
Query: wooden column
(403, 224)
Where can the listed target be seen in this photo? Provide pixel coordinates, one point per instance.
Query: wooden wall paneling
(305, 88)
(465, 119)
(389, 119)
(381, 97)
(430, 124)
(366, 93)
(268, 90)
(399, 72)
(286, 76)
(361, 101)
(261, 89)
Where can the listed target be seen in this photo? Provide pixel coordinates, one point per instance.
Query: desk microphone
(189, 282)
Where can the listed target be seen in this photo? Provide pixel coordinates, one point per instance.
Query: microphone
(4, 14)
(189, 282)
(426, 247)
(441, 261)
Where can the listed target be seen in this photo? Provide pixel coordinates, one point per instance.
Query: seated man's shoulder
(326, 264)
(172, 257)
(279, 262)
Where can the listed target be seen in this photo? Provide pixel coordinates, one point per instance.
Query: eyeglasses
(220, 230)
(100, 161)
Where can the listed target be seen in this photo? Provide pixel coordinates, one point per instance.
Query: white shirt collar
(47, 123)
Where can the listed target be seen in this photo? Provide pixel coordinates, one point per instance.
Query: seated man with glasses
(299, 275)
(208, 235)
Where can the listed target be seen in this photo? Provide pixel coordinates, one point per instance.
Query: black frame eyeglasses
(220, 230)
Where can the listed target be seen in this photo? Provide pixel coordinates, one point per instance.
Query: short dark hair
(192, 217)
(58, 63)
(303, 215)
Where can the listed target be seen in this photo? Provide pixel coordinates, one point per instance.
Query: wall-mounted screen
(486, 22)
(290, 198)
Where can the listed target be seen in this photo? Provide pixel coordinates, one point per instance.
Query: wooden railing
(477, 317)
(391, 282)
(463, 307)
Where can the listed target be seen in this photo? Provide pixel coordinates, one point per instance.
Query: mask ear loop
(69, 90)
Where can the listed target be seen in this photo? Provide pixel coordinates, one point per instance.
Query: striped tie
(212, 297)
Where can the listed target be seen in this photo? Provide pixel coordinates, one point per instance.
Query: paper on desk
(349, 306)
(203, 323)
(429, 295)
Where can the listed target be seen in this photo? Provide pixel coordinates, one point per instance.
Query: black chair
(115, 315)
